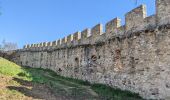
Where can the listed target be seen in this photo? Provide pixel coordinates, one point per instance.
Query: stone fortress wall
(134, 56)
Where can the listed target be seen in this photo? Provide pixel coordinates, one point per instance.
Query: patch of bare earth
(16, 89)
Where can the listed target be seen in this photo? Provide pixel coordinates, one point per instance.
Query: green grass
(9, 68)
(64, 86)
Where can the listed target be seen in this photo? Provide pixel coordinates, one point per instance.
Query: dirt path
(16, 89)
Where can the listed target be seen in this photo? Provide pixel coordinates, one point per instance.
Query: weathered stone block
(150, 21)
(135, 18)
(64, 40)
(54, 43)
(137, 61)
(41, 44)
(49, 44)
(77, 36)
(85, 33)
(97, 30)
(163, 11)
(69, 38)
(32, 45)
(45, 44)
(59, 42)
(112, 25)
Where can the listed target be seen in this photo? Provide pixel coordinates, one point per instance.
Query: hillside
(20, 83)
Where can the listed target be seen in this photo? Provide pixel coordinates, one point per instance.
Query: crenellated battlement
(64, 41)
(76, 36)
(45, 44)
(112, 25)
(135, 20)
(70, 38)
(59, 42)
(54, 43)
(40, 45)
(85, 33)
(97, 30)
(134, 56)
(49, 44)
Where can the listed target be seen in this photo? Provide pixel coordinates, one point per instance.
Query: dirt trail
(10, 89)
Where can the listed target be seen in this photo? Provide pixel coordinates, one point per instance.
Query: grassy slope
(60, 86)
(9, 68)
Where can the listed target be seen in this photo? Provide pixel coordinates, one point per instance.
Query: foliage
(8, 46)
(109, 93)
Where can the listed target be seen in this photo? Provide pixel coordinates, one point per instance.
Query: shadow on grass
(46, 83)
(36, 91)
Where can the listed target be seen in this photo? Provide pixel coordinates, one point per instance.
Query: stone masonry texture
(134, 57)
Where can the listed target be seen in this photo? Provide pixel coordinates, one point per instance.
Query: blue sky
(34, 21)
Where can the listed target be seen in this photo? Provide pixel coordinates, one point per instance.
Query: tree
(8, 46)
(0, 47)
